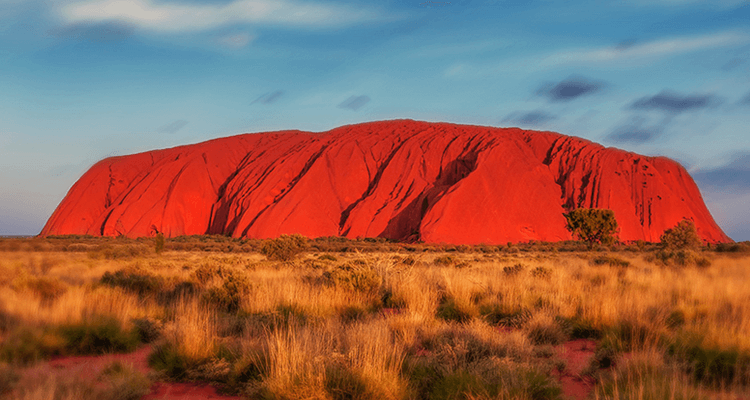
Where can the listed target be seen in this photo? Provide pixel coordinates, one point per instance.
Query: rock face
(402, 179)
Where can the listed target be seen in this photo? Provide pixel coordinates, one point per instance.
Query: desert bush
(444, 261)
(46, 288)
(710, 364)
(646, 376)
(682, 236)
(98, 335)
(284, 248)
(354, 277)
(141, 283)
(26, 345)
(497, 313)
(147, 329)
(159, 243)
(541, 272)
(594, 226)
(8, 378)
(451, 309)
(612, 261)
(168, 359)
(543, 329)
(681, 258)
(515, 269)
(327, 257)
(228, 296)
(125, 383)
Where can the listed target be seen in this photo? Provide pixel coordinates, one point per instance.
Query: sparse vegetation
(382, 321)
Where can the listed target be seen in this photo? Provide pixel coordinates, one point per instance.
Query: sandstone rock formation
(402, 179)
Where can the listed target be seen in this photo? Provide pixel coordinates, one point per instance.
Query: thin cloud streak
(630, 52)
(657, 48)
(175, 18)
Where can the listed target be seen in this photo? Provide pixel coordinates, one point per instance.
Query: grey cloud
(636, 131)
(268, 98)
(570, 89)
(531, 118)
(354, 102)
(673, 103)
(173, 127)
(746, 99)
(735, 174)
(95, 32)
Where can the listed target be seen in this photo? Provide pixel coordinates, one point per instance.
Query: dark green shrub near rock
(593, 226)
(681, 236)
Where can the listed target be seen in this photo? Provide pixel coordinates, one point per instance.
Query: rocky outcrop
(402, 179)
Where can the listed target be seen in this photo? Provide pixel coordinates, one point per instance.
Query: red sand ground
(576, 353)
(402, 179)
(91, 367)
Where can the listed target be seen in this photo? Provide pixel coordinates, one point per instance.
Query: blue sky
(83, 80)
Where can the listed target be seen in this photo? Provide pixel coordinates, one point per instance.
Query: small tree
(682, 236)
(593, 225)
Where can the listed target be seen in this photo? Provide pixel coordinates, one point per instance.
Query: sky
(85, 80)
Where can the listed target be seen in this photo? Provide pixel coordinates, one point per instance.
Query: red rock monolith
(401, 179)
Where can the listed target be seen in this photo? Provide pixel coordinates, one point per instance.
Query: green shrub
(27, 345)
(682, 236)
(228, 296)
(97, 336)
(450, 310)
(166, 358)
(344, 383)
(594, 226)
(142, 284)
(711, 365)
(284, 248)
(682, 258)
(147, 329)
(545, 332)
(499, 314)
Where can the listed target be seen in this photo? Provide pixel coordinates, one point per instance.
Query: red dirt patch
(577, 355)
(184, 391)
(91, 367)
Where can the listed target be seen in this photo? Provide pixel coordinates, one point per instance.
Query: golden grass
(309, 338)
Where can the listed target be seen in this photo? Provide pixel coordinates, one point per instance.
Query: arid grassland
(375, 320)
